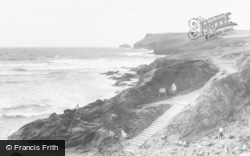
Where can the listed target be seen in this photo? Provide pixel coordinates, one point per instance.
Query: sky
(104, 23)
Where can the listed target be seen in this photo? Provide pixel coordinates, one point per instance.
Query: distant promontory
(125, 46)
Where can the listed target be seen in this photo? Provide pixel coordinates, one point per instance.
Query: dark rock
(121, 80)
(111, 73)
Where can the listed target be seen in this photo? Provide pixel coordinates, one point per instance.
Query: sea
(35, 82)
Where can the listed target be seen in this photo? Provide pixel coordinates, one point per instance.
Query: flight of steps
(156, 126)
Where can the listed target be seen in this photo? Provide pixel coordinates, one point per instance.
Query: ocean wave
(22, 64)
(18, 73)
(78, 61)
(20, 69)
(32, 110)
(34, 106)
(140, 53)
(15, 116)
(133, 54)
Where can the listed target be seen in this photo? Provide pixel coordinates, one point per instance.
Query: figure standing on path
(173, 88)
(221, 131)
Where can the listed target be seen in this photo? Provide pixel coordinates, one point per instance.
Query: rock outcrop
(121, 79)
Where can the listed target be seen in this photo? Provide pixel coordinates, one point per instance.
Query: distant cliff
(166, 43)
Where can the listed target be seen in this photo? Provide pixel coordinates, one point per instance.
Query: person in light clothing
(221, 131)
(173, 88)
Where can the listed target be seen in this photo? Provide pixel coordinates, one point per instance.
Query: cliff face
(218, 105)
(88, 127)
(159, 41)
(169, 43)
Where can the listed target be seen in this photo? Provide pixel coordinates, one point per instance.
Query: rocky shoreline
(123, 80)
(88, 128)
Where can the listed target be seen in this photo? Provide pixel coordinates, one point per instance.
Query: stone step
(155, 128)
(147, 134)
(161, 124)
(162, 120)
(135, 143)
(176, 107)
(173, 110)
(144, 136)
(130, 149)
(147, 131)
(153, 131)
(135, 146)
(158, 124)
(139, 142)
(150, 133)
(171, 113)
(165, 118)
(141, 138)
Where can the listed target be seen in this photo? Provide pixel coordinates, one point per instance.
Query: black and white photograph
(124, 78)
